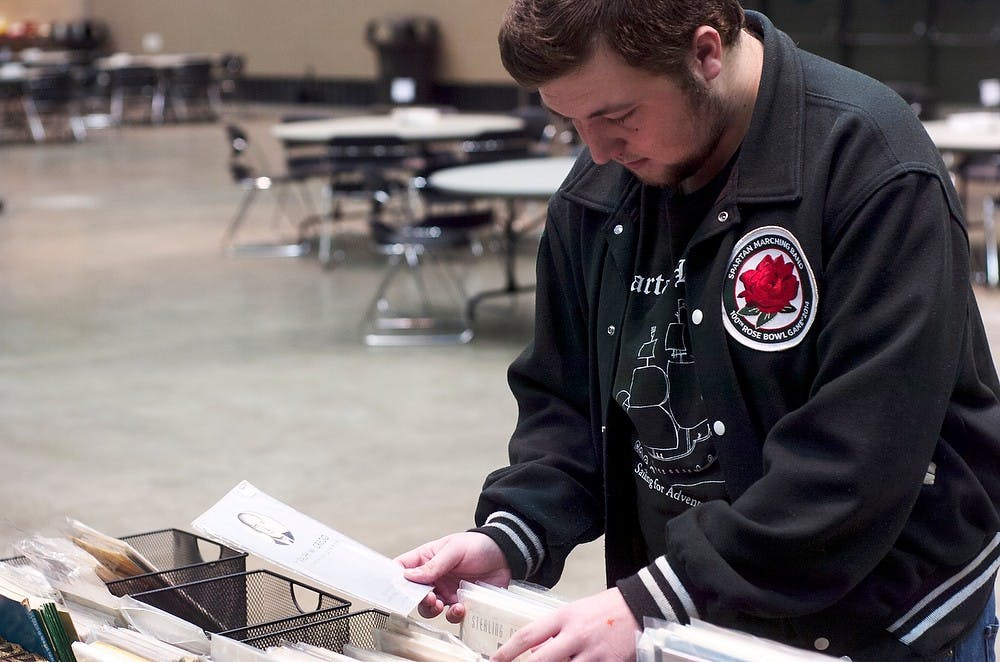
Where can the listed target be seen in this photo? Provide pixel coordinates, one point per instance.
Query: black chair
(136, 86)
(12, 114)
(193, 92)
(512, 219)
(426, 250)
(359, 170)
(52, 96)
(249, 169)
(428, 237)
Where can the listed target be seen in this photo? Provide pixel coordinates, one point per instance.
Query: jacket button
(611, 330)
(719, 428)
(697, 316)
(618, 229)
(723, 216)
(821, 644)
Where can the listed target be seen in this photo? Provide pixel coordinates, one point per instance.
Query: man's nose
(603, 147)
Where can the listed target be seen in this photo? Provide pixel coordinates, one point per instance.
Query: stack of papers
(411, 640)
(493, 614)
(703, 642)
(112, 644)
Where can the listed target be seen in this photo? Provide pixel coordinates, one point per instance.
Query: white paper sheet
(249, 520)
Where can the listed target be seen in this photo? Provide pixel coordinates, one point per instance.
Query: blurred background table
(513, 180)
(971, 141)
(407, 124)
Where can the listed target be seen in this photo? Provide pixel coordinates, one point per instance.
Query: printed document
(251, 521)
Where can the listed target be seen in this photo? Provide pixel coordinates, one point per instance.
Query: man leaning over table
(758, 366)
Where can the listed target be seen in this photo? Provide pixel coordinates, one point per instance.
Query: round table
(515, 178)
(511, 180)
(968, 135)
(408, 124)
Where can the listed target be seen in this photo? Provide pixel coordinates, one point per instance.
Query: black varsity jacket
(858, 431)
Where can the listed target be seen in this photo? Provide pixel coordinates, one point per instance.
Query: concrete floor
(143, 374)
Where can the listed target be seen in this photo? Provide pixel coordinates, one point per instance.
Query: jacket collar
(772, 147)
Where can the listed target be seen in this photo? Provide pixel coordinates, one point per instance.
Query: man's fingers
(422, 574)
(435, 567)
(455, 613)
(410, 558)
(527, 638)
(430, 606)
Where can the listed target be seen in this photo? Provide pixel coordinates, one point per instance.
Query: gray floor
(143, 374)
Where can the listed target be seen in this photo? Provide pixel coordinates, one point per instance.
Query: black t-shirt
(674, 461)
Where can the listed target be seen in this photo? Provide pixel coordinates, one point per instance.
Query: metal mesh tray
(245, 605)
(353, 628)
(181, 557)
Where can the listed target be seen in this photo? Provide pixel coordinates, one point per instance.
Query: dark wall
(934, 52)
(934, 49)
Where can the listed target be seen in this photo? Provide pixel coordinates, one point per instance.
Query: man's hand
(599, 627)
(445, 562)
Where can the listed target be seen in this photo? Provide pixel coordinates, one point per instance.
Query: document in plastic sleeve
(251, 521)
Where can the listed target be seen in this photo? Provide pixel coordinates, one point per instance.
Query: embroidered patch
(769, 297)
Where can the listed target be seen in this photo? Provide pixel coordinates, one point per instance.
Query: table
(154, 60)
(533, 178)
(416, 127)
(407, 124)
(511, 180)
(968, 135)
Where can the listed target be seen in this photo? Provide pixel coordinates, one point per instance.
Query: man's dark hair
(541, 40)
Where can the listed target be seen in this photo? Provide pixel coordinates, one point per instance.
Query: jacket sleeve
(843, 470)
(550, 497)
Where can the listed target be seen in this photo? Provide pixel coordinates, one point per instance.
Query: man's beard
(715, 116)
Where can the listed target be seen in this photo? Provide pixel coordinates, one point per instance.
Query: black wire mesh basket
(180, 557)
(354, 628)
(247, 604)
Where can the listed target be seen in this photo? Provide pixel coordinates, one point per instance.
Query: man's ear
(706, 46)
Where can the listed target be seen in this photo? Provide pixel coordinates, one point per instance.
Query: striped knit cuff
(656, 591)
(519, 543)
(963, 592)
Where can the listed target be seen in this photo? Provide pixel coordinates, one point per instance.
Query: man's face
(660, 131)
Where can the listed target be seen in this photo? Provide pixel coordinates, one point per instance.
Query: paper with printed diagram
(250, 520)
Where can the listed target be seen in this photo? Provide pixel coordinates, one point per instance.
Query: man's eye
(621, 120)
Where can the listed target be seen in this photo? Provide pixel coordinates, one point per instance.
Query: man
(758, 366)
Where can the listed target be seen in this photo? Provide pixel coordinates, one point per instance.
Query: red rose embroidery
(768, 290)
